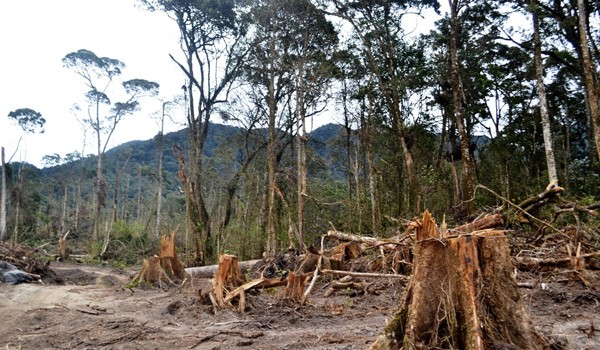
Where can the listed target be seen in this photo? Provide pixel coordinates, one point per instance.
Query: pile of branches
(30, 260)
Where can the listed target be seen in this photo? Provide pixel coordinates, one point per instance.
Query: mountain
(223, 150)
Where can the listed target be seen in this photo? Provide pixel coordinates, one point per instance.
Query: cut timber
(168, 257)
(461, 296)
(210, 270)
(228, 277)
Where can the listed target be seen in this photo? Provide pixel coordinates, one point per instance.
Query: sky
(36, 34)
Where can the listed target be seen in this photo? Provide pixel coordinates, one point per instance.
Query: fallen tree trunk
(363, 274)
(370, 241)
(530, 263)
(488, 221)
(210, 270)
(461, 296)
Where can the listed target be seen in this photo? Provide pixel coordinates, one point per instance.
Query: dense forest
(496, 101)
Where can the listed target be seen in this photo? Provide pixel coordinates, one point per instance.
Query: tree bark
(3, 198)
(271, 150)
(539, 75)
(461, 296)
(465, 140)
(590, 77)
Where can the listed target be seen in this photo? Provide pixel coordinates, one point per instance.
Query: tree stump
(168, 257)
(151, 273)
(227, 278)
(294, 290)
(461, 296)
(63, 251)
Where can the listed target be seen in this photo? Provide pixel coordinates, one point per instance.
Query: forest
(500, 95)
(493, 109)
(459, 163)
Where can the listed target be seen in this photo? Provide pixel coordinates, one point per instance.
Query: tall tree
(379, 27)
(539, 76)
(98, 73)
(30, 121)
(590, 74)
(457, 101)
(313, 49)
(212, 36)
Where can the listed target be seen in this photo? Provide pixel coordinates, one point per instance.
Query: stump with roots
(227, 278)
(164, 268)
(461, 296)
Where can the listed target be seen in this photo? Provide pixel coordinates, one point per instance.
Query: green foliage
(29, 120)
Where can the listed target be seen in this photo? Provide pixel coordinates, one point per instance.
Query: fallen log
(370, 241)
(345, 285)
(461, 296)
(531, 263)
(210, 270)
(363, 274)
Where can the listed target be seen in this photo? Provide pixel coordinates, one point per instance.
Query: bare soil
(89, 307)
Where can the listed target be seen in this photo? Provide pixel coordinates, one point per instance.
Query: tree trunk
(159, 177)
(271, 159)
(539, 75)
(301, 139)
(468, 170)
(63, 215)
(589, 76)
(3, 193)
(461, 296)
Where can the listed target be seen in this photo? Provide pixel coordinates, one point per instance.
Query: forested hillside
(496, 101)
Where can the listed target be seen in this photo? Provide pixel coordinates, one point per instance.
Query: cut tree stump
(168, 257)
(63, 250)
(461, 296)
(151, 273)
(294, 290)
(227, 278)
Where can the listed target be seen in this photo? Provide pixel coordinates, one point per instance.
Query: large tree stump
(461, 296)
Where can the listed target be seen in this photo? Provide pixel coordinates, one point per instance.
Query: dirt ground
(87, 307)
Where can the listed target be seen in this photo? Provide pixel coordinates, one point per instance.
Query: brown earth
(92, 309)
